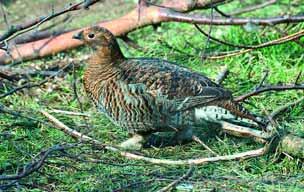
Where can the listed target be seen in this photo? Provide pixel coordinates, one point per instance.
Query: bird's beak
(78, 35)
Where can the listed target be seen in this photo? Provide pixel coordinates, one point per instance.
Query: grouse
(148, 95)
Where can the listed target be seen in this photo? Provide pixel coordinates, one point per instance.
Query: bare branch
(281, 40)
(253, 7)
(36, 163)
(269, 88)
(222, 76)
(16, 30)
(31, 85)
(282, 109)
(79, 136)
(150, 15)
(175, 182)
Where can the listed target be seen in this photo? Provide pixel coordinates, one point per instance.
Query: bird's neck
(103, 66)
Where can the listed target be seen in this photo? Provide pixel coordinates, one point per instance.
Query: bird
(149, 95)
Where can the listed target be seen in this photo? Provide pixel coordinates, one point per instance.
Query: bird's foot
(134, 143)
(181, 137)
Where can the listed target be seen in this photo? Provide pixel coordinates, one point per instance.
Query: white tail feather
(217, 114)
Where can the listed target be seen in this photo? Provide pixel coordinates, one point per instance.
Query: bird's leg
(182, 136)
(134, 143)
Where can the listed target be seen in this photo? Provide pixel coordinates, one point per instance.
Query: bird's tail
(227, 111)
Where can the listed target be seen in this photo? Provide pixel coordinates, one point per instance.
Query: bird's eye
(91, 35)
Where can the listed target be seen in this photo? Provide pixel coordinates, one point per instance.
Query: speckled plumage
(146, 95)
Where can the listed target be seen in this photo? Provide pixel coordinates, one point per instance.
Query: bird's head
(96, 37)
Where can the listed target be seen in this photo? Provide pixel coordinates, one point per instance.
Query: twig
(16, 30)
(26, 71)
(269, 88)
(222, 75)
(167, 45)
(31, 85)
(131, 42)
(4, 109)
(298, 78)
(221, 12)
(263, 79)
(175, 182)
(195, 138)
(36, 163)
(224, 55)
(70, 113)
(253, 7)
(75, 134)
(278, 41)
(280, 110)
(177, 12)
(134, 184)
(7, 77)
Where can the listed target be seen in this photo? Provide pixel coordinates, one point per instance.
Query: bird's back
(166, 77)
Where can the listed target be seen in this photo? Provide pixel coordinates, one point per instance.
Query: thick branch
(149, 14)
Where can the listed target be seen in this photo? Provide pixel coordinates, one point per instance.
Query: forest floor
(86, 168)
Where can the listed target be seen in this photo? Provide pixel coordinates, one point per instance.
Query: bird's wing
(168, 78)
(210, 95)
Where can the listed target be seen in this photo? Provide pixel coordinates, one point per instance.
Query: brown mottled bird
(147, 95)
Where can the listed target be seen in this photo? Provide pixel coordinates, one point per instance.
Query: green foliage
(21, 139)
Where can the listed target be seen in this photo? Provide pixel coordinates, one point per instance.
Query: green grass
(22, 139)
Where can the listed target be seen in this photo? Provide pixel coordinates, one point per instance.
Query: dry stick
(31, 85)
(248, 48)
(264, 77)
(36, 163)
(241, 131)
(134, 184)
(15, 31)
(285, 33)
(281, 40)
(70, 113)
(75, 134)
(195, 138)
(278, 111)
(298, 77)
(175, 182)
(222, 75)
(253, 7)
(269, 88)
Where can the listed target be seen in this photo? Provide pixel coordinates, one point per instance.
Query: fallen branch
(75, 134)
(169, 11)
(278, 41)
(196, 139)
(17, 30)
(175, 182)
(269, 88)
(253, 7)
(70, 113)
(36, 163)
(222, 75)
(31, 85)
(280, 110)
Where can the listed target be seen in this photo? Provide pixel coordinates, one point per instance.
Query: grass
(22, 139)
